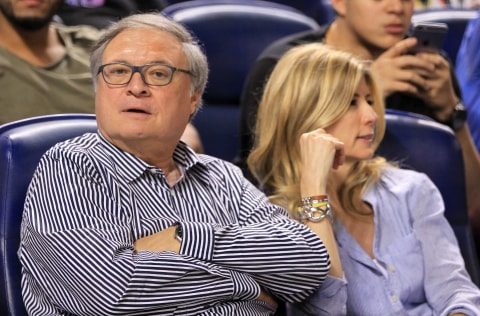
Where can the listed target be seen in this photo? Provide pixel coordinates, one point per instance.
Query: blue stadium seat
(320, 10)
(233, 34)
(456, 19)
(417, 142)
(22, 143)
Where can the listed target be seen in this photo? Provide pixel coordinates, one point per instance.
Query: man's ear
(340, 6)
(195, 100)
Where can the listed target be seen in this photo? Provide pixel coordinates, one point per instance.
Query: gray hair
(197, 61)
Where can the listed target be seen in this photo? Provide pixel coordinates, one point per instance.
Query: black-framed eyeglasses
(154, 74)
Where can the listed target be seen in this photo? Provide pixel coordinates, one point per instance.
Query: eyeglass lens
(154, 74)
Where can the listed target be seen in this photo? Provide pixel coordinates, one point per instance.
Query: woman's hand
(320, 152)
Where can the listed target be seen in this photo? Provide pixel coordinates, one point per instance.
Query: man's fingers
(401, 47)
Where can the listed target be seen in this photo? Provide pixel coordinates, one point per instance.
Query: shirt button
(393, 298)
(172, 192)
(391, 268)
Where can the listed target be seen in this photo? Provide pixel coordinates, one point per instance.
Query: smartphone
(430, 36)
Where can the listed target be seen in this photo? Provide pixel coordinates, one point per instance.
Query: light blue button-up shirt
(418, 268)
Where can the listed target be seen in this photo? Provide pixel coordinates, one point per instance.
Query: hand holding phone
(430, 36)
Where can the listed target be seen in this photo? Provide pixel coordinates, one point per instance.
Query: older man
(131, 221)
(44, 67)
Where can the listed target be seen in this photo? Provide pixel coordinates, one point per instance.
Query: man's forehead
(150, 44)
(145, 37)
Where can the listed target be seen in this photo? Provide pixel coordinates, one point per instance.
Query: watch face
(457, 125)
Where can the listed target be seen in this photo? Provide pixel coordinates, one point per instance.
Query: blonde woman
(398, 253)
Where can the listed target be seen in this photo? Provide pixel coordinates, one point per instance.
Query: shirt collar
(131, 167)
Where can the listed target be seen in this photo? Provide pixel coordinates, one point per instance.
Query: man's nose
(137, 85)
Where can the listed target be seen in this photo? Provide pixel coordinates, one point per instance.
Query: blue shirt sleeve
(448, 286)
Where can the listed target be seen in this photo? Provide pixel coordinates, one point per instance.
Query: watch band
(457, 118)
(179, 233)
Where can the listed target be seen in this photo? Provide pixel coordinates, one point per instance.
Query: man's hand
(401, 72)
(162, 241)
(267, 298)
(424, 75)
(440, 96)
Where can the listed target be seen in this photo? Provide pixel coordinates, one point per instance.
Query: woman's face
(356, 128)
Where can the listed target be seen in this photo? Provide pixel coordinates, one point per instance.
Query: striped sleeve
(281, 254)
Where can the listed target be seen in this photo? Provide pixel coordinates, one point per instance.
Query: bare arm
(471, 161)
(320, 152)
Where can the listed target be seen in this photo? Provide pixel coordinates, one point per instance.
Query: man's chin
(30, 24)
(29, 21)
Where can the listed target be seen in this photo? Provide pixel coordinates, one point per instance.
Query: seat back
(417, 142)
(320, 10)
(22, 143)
(456, 19)
(233, 33)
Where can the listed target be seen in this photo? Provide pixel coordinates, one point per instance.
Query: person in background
(101, 13)
(44, 65)
(424, 83)
(191, 136)
(468, 72)
(130, 220)
(398, 252)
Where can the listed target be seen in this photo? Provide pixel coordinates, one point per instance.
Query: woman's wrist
(314, 208)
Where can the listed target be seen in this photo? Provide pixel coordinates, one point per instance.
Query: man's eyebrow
(150, 62)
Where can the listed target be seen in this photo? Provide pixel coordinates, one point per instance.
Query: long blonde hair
(311, 87)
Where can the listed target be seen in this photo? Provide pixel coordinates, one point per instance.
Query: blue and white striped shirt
(89, 201)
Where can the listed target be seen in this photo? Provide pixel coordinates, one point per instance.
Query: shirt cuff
(198, 240)
(329, 299)
(332, 286)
